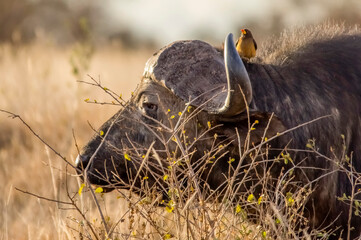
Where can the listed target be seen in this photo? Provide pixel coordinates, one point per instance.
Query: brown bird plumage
(246, 46)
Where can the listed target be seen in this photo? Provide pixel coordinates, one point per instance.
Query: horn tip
(229, 40)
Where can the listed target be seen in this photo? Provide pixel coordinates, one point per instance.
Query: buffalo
(300, 97)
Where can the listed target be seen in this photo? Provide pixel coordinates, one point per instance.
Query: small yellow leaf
(256, 122)
(99, 190)
(231, 160)
(168, 110)
(143, 156)
(189, 108)
(86, 100)
(165, 177)
(101, 133)
(81, 189)
(259, 200)
(265, 138)
(308, 145)
(172, 117)
(167, 236)
(169, 209)
(105, 88)
(250, 198)
(238, 208)
(95, 101)
(209, 124)
(170, 206)
(179, 114)
(145, 178)
(252, 128)
(290, 199)
(127, 157)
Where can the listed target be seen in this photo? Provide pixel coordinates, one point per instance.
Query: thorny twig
(114, 95)
(13, 115)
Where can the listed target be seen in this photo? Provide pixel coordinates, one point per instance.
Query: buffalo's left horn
(237, 82)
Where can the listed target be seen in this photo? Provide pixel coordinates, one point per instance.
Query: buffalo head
(191, 99)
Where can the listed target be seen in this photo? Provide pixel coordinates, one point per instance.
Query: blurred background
(48, 46)
(155, 23)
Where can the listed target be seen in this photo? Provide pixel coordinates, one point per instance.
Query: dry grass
(37, 83)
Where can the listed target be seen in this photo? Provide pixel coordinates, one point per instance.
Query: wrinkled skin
(320, 78)
(137, 127)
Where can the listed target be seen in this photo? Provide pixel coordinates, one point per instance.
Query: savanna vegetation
(43, 198)
(51, 87)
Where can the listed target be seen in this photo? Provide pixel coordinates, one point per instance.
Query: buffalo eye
(150, 109)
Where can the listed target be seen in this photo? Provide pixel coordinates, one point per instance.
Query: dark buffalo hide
(305, 75)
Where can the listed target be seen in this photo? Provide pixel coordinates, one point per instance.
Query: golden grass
(37, 83)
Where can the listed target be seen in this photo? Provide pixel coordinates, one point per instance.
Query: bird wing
(255, 44)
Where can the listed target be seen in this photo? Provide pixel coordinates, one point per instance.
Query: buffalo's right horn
(237, 82)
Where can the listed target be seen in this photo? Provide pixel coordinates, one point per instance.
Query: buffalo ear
(259, 122)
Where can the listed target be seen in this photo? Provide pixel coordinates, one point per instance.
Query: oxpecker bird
(246, 46)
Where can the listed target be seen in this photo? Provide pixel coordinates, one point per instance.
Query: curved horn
(237, 81)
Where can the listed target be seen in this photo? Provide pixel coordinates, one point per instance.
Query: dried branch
(13, 115)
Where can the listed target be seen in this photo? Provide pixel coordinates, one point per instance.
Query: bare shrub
(251, 204)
